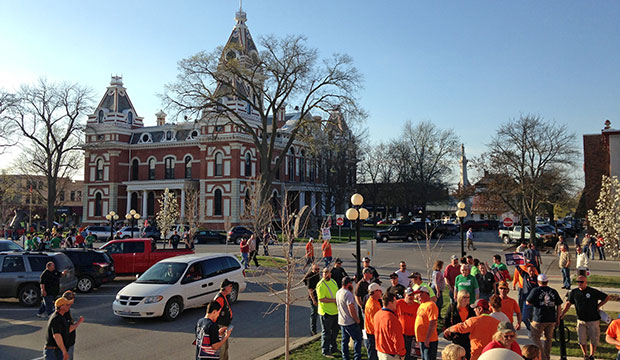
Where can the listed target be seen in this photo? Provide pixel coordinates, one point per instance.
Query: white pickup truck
(514, 233)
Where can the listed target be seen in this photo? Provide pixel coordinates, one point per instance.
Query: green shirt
(90, 239)
(31, 244)
(327, 289)
(474, 270)
(56, 242)
(468, 283)
(500, 266)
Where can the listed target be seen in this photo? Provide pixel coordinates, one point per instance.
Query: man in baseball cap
(375, 274)
(545, 316)
(426, 322)
(480, 328)
(373, 305)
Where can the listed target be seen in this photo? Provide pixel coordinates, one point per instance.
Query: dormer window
(168, 135)
(130, 118)
(145, 138)
(100, 117)
(194, 134)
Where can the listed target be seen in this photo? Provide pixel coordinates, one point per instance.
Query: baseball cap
(454, 257)
(62, 301)
(346, 280)
(393, 275)
(366, 258)
(225, 283)
(338, 261)
(373, 287)
(367, 271)
(408, 290)
(415, 275)
(505, 326)
(418, 288)
(480, 302)
(543, 278)
(502, 284)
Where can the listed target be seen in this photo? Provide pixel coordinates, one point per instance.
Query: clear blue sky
(466, 65)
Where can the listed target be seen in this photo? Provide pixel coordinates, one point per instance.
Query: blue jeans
(526, 315)
(439, 301)
(370, 347)
(47, 305)
(245, 260)
(618, 356)
(566, 277)
(329, 333)
(601, 253)
(408, 340)
(52, 354)
(430, 352)
(313, 316)
(327, 260)
(351, 332)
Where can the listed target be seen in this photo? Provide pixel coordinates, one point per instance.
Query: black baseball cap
(225, 283)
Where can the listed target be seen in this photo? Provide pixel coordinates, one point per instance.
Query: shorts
(588, 330)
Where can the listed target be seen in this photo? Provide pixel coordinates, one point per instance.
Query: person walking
(480, 328)
(458, 312)
(50, 287)
(468, 282)
(226, 314)
(328, 311)
(438, 283)
(388, 331)
(253, 248)
(372, 306)
(510, 307)
(592, 246)
(403, 274)
(470, 239)
(486, 281)
(582, 262)
(396, 288)
(600, 247)
(311, 279)
(504, 338)
(73, 325)
(326, 248)
(266, 240)
(532, 256)
(309, 253)
(209, 337)
(245, 252)
(564, 263)
(426, 323)
(546, 303)
(174, 240)
(57, 332)
(530, 282)
(407, 310)
(452, 271)
(588, 301)
(348, 320)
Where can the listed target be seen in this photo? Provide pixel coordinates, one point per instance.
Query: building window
(219, 128)
(302, 166)
(219, 164)
(61, 196)
(248, 165)
(277, 170)
(72, 195)
(98, 204)
(152, 169)
(312, 168)
(100, 116)
(79, 196)
(188, 167)
(217, 202)
(99, 172)
(169, 162)
(291, 165)
(150, 204)
(135, 169)
(130, 118)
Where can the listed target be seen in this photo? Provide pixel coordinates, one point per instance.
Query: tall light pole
(112, 217)
(461, 214)
(357, 213)
(133, 217)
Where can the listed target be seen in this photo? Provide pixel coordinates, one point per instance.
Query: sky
(467, 65)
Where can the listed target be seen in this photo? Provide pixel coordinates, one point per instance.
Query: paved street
(104, 335)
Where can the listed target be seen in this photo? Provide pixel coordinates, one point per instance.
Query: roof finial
(240, 5)
(240, 16)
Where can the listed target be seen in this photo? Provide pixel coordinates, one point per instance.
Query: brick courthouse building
(128, 165)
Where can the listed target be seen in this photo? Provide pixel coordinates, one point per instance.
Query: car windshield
(162, 273)
(10, 246)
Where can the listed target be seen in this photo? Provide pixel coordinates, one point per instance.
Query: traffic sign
(339, 219)
(508, 222)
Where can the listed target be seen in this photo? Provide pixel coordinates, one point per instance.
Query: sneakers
(43, 316)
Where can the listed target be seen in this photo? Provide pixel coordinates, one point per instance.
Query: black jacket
(452, 318)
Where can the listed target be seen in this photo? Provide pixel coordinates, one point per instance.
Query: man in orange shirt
(480, 328)
(370, 309)
(426, 323)
(407, 309)
(612, 335)
(309, 253)
(509, 305)
(326, 247)
(388, 331)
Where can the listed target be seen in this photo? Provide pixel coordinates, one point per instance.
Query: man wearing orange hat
(57, 332)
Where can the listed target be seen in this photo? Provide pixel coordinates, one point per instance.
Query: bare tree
(376, 173)
(192, 212)
(259, 215)
(7, 127)
(430, 250)
(214, 86)
(46, 116)
(530, 161)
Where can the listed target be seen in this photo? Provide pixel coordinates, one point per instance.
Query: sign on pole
(508, 222)
(326, 233)
(339, 219)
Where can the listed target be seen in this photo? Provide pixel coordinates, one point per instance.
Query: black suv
(237, 233)
(405, 232)
(92, 267)
(204, 236)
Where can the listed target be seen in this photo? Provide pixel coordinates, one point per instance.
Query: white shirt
(403, 277)
(582, 261)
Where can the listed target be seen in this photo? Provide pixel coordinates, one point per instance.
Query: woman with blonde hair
(453, 352)
(531, 352)
(457, 313)
(504, 338)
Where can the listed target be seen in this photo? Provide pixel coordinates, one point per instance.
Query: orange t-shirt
(614, 331)
(427, 312)
(463, 313)
(509, 307)
(327, 249)
(309, 250)
(406, 315)
(481, 329)
(389, 333)
(372, 306)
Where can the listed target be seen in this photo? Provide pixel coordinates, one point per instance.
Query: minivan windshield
(162, 273)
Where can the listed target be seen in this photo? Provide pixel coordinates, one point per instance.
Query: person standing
(372, 306)
(592, 246)
(546, 304)
(79, 240)
(564, 263)
(530, 282)
(416, 279)
(466, 281)
(348, 320)
(309, 253)
(588, 301)
(612, 335)
(500, 270)
(480, 328)
(388, 331)
(253, 248)
(407, 310)
(452, 271)
(57, 332)
(226, 314)
(311, 279)
(55, 242)
(90, 239)
(70, 342)
(338, 272)
(558, 246)
(426, 323)
(174, 240)
(396, 288)
(209, 337)
(582, 261)
(532, 256)
(486, 281)
(50, 287)
(504, 338)
(326, 248)
(510, 306)
(403, 274)
(438, 283)
(496, 309)
(470, 239)
(458, 312)
(600, 246)
(244, 247)
(363, 288)
(375, 274)
(328, 311)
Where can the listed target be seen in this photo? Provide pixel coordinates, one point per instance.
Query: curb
(293, 346)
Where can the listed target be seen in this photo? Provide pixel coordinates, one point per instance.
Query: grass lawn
(312, 351)
(267, 261)
(601, 281)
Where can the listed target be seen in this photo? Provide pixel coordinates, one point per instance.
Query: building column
(183, 204)
(313, 208)
(128, 202)
(302, 199)
(144, 213)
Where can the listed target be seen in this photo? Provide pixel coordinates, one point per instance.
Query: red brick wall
(595, 165)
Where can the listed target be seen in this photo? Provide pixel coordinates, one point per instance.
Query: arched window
(291, 165)
(135, 170)
(100, 116)
(217, 202)
(98, 204)
(150, 204)
(151, 169)
(188, 167)
(248, 165)
(312, 168)
(302, 166)
(130, 118)
(134, 200)
(99, 172)
(219, 164)
(169, 163)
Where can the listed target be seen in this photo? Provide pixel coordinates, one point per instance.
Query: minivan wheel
(234, 294)
(29, 295)
(172, 310)
(85, 284)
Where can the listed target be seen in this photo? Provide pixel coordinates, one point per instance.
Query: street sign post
(339, 222)
(508, 222)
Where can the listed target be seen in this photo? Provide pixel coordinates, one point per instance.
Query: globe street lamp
(36, 218)
(112, 217)
(133, 217)
(357, 213)
(461, 214)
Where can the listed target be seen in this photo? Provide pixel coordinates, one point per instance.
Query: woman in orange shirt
(457, 313)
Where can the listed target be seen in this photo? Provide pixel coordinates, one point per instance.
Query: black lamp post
(133, 217)
(357, 213)
(461, 214)
(112, 217)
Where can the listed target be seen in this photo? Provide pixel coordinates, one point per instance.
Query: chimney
(161, 118)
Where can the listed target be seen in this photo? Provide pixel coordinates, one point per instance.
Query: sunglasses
(580, 281)
(506, 336)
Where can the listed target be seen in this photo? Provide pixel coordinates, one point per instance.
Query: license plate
(125, 312)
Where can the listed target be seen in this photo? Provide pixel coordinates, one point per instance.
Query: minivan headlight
(118, 296)
(153, 299)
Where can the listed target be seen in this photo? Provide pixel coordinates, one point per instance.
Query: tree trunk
(51, 200)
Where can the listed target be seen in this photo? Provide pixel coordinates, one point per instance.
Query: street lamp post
(133, 217)
(36, 218)
(461, 214)
(357, 213)
(112, 217)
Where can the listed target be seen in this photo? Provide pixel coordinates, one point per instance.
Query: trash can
(370, 247)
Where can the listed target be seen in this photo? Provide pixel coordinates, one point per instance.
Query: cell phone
(231, 327)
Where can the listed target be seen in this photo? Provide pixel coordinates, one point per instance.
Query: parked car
(102, 233)
(175, 284)
(405, 232)
(444, 229)
(151, 232)
(204, 236)
(236, 233)
(127, 231)
(475, 225)
(180, 229)
(92, 268)
(135, 256)
(10, 245)
(514, 234)
(20, 274)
